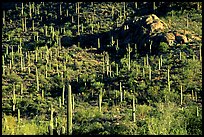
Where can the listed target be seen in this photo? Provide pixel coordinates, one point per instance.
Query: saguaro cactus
(78, 24)
(12, 55)
(21, 9)
(73, 102)
(116, 69)
(161, 60)
(133, 109)
(37, 79)
(51, 120)
(181, 95)
(33, 25)
(168, 79)
(187, 21)
(100, 99)
(62, 130)
(69, 111)
(14, 98)
(147, 59)
(99, 45)
(63, 93)
(154, 6)
(150, 73)
(180, 55)
(192, 94)
(169, 86)
(21, 88)
(129, 51)
(150, 47)
(121, 92)
(25, 25)
(60, 102)
(43, 94)
(135, 5)
(4, 17)
(19, 114)
(200, 53)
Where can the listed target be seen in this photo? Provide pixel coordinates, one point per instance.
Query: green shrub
(163, 47)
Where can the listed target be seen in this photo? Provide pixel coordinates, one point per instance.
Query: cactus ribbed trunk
(69, 111)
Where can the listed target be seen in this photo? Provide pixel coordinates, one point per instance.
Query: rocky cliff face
(143, 31)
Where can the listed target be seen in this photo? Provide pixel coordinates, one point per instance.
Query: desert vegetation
(102, 68)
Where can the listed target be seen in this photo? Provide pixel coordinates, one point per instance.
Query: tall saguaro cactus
(99, 45)
(200, 53)
(14, 98)
(19, 114)
(63, 93)
(161, 60)
(154, 6)
(37, 79)
(168, 79)
(69, 111)
(150, 73)
(133, 109)
(181, 95)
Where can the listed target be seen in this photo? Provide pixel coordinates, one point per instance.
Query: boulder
(157, 26)
(169, 38)
(151, 22)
